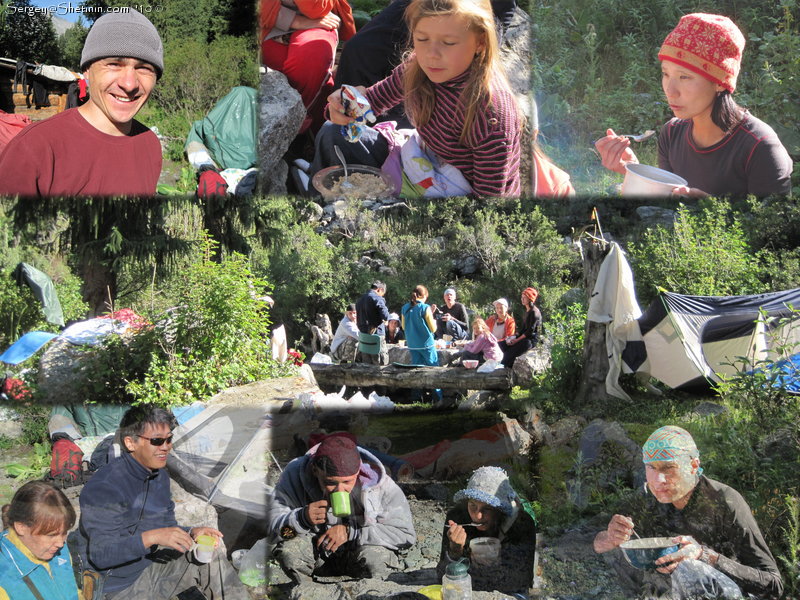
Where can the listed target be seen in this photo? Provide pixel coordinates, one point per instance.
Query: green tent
(43, 290)
(229, 130)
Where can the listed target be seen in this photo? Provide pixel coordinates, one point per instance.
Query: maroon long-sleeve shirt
(491, 162)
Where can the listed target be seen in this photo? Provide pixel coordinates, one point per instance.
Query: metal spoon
(466, 524)
(345, 183)
(638, 137)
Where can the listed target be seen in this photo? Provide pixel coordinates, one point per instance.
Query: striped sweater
(491, 163)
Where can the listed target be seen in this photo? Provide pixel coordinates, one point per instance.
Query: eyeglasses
(159, 441)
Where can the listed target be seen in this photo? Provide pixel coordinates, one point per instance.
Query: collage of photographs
(399, 300)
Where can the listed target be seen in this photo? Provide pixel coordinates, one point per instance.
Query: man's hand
(195, 531)
(458, 538)
(317, 512)
(329, 22)
(689, 549)
(615, 151)
(333, 538)
(169, 537)
(619, 530)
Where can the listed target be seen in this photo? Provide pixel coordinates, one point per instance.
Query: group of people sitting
(420, 324)
(128, 542)
(337, 511)
(314, 538)
(720, 551)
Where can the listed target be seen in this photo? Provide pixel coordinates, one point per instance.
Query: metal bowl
(324, 180)
(643, 553)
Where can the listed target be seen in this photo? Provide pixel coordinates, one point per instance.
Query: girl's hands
(458, 538)
(336, 108)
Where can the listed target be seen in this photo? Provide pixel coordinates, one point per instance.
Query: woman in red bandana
(715, 144)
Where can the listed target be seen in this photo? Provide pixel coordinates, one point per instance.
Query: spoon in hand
(637, 137)
(345, 183)
(466, 524)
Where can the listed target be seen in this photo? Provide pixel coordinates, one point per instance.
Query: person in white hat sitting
(490, 508)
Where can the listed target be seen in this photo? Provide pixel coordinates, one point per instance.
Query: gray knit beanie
(127, 34)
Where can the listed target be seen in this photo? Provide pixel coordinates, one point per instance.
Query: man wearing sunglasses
(128, 532)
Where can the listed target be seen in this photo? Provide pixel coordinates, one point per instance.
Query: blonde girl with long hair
(484, 345)
(468, 125)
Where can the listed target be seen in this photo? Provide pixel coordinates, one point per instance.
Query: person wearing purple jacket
(484, 347)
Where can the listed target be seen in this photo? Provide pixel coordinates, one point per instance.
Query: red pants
(306, 61)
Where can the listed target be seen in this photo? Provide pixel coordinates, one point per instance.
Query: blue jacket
(53, 579)
(120, 502)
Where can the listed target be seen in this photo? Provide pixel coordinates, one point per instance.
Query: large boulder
(281, 113)
(608, 456)
(534, 361)
(516, 56)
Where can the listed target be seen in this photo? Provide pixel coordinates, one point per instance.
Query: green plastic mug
(340, 503)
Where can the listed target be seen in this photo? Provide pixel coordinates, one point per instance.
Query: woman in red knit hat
(715, 144)
(527, 335)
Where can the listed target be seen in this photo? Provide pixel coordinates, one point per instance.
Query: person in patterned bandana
(722, 553)
(715, 144)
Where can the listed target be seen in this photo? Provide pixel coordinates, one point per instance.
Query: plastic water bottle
(456, 582)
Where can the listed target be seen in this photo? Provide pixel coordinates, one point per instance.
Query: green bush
(705, 254)
(556, 388)
(20, 312)
(214, 338)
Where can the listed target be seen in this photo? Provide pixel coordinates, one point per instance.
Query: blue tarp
(26, 346)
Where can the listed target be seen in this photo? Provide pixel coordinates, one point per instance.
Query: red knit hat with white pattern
(709, 45)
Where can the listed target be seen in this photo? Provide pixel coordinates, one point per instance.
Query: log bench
(451, 378)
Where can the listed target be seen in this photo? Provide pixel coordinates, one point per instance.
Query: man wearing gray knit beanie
(97, 149)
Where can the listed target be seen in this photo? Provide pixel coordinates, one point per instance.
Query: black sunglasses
(159, 441)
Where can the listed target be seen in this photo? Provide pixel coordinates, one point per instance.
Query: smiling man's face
(118, 88)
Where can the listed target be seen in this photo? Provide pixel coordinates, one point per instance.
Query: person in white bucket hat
(489, 507)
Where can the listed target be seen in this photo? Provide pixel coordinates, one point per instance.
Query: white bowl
(646, 181)
(469, 364)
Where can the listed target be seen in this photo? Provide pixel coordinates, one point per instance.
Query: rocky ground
(570, 569)
(428, 502)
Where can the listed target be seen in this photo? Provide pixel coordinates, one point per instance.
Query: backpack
(66, 463)
(211, 184)
(102, 454)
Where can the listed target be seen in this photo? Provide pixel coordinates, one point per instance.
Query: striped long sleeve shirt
(491, 162)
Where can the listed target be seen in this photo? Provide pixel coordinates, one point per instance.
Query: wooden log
(451, 378)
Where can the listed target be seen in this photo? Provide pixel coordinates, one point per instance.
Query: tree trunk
(453, 378)
(99, 286)
(595, 354)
